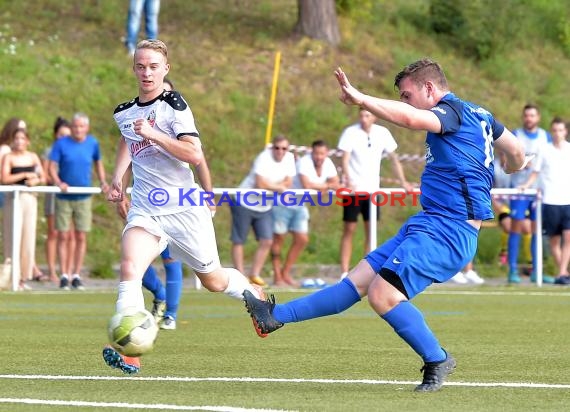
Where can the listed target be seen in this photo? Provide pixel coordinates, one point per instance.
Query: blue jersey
(458, 176)
(75, 161)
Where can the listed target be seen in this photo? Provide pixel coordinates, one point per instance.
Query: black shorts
(555, 219)
(358, 205)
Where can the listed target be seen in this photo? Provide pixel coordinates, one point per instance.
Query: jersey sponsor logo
(137, 147)
(429, 156)
(438, 109)
(479, 110)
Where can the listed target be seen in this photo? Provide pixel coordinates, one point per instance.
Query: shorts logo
(396, 261)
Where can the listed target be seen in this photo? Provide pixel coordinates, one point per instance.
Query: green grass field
(510, 345)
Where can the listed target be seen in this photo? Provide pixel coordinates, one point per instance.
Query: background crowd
(75, 156)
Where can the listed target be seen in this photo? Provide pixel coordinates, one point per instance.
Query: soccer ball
(132, 331)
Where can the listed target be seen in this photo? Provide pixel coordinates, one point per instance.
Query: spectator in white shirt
(363, 144)
(273, 170)
(314, 171)
(552, 165)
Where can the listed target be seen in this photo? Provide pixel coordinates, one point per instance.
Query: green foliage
(479, 29)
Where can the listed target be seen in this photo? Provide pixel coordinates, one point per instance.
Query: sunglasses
(279, 148)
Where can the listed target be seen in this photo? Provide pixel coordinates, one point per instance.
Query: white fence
(373, 221)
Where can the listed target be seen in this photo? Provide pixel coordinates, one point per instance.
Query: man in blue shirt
(432, 245)
(71, 161)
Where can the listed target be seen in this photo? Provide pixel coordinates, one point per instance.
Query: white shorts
(189, 235)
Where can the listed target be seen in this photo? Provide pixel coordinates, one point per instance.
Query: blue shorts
(166, 254)
(290, 219)
(427, 249)
(524, 208)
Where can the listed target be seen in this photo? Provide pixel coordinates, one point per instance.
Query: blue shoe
(115, 360)
(545, 278)
(562, 280)
(514, 277)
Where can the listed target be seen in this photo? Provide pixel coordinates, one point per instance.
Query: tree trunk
(317, 19)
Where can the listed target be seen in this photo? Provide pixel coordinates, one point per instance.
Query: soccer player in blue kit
(432, 245)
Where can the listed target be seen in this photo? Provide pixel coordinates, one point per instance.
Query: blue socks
(152, 282)
(173, 287)
(513, 250)
(410, 325)
(328, 301)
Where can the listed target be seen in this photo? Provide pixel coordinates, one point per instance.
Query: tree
(317, 19)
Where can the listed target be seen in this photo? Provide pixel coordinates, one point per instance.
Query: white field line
(495, 293)
(282, 380)
(124, 405)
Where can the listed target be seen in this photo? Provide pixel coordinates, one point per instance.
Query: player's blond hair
(154, 44)
(421, 71)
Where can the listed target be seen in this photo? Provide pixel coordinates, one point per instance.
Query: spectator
(273, 169)
(363, 144)
(534, 139)
(61, 128)
(71, 160)
(314, 171)
(553, 167)
(151, 10)
(22, 167)
(8, 130)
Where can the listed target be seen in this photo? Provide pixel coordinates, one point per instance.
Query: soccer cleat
(158, 308)
(115, 360)
(168, 323)
(261, 312)
(77, 284)
(435, 374)
(64, 283)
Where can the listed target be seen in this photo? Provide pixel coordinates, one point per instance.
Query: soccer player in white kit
(160, 138)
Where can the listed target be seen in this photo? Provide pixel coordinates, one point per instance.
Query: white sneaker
(459, 278)
(168, 323)
(473, 277)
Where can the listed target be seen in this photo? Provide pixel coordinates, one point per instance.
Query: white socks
(130, 294)
(237, 283)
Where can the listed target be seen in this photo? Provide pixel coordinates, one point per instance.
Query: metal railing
(373, 216)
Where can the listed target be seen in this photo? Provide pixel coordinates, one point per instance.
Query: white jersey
(553, 166)
(274, 172)
(306, 167)
(160, 179)
(366, 152)
(533, 143)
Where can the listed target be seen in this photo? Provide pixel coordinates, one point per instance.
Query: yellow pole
(272, 99)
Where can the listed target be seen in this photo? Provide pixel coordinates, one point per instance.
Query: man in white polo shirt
(552, 165)
(315, 171)
(273, 170)
(363, 144)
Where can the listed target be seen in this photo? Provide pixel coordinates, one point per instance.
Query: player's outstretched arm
(513, 150)
(393, 111)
